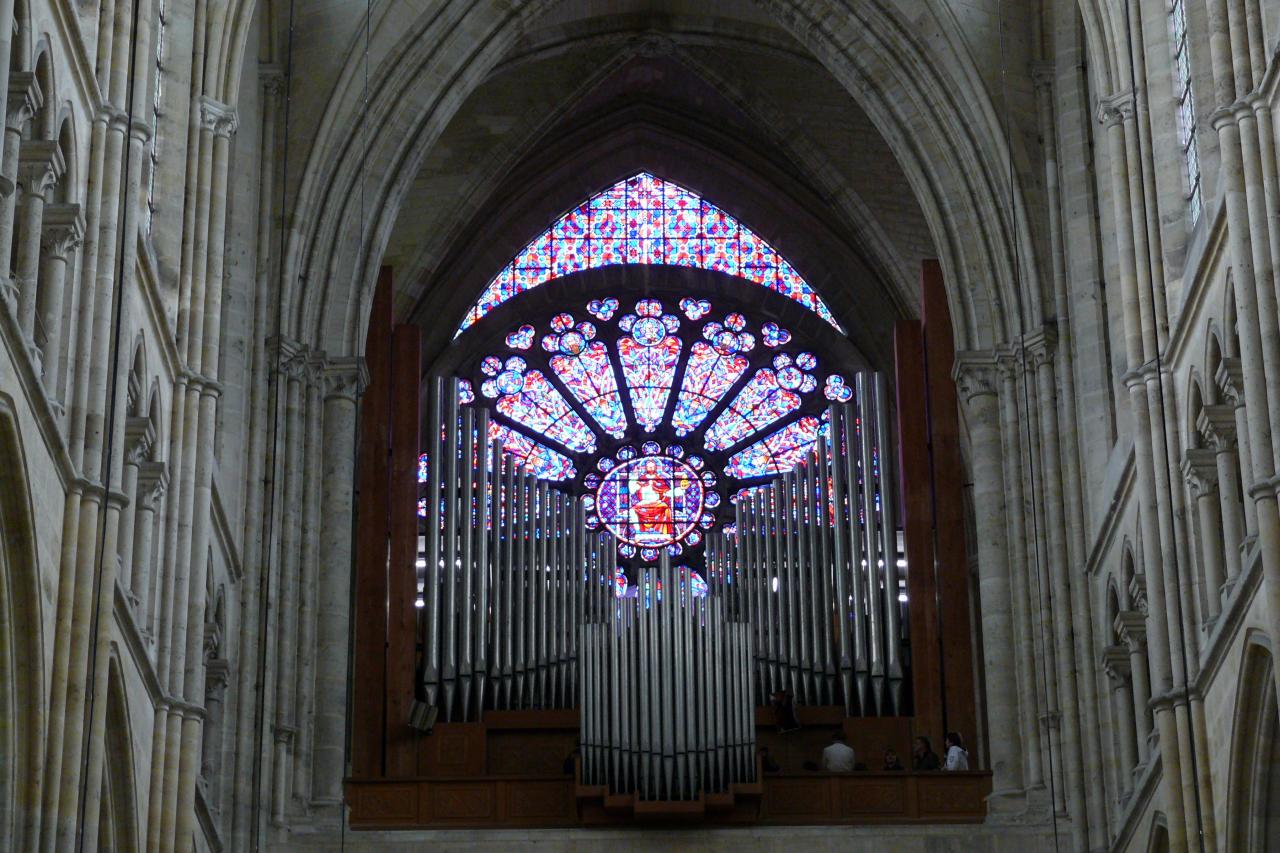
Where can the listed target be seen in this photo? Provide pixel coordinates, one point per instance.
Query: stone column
(40, 165)
(344, 380)
(1201, 473)
(293, 379)
(976, 381)
(309, 570)
(217, 672)
(152, 480)
(1218, 425)
(139, 436)
(1024, 639)
(1131, 627)
(25, 99)
(1230, 380)
(1115, 662)
(63, 229)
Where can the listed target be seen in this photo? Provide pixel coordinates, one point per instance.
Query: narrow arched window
(157, 101)
(1183, 96)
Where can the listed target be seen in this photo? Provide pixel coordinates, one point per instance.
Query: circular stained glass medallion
(650, 502)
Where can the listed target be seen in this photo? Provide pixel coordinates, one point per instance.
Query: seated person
(766, 761)
(922, 755)
(891, 760)
(838, 757)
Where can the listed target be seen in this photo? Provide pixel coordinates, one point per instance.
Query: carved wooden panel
(542, 802)
(873, 796)
(946, 795)
(465, 802)
(799, 797)
(384, 804)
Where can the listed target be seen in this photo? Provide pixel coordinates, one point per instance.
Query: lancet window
(1184, 96)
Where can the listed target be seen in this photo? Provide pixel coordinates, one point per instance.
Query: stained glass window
(770, 395)
(527, 397)
(646, 220)
(610, 374)
(1185, 98)
(584, 366)
(715, 365)
(539, 459)
(776, 453)
(649, 355)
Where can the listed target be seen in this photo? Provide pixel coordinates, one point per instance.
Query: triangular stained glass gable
(646, 220)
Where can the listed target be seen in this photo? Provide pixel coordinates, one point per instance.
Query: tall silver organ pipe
(502, 560)
(666, 696)
(815, 554)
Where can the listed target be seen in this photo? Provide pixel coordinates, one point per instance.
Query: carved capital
(1218, 425)
(153, 479)
(25, 99)
(1200, 470)
(1038, 347)
(1230, 379)
(1138, 593)
(976, 375)
(139, 435)
(217, 675)
(345, 377)
(1116, 109)
(40, 165)
(1115, 661)
(1131, 627)
(218, 118)
(61, 230)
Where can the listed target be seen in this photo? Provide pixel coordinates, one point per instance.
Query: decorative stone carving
(139, 435)
(217, 117)
(1131, 627)
(1230, 379)
(1116, 109)
(40, 166)
(153, 479)
(1218, 425)
(1115, 661)
(976, 375)
(25, 99)
(345, 377)
(1200, 470)
(62, 230)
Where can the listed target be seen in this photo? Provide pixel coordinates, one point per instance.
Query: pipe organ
(503, 561)
(814, 556)
(667, 711)
(803, 597)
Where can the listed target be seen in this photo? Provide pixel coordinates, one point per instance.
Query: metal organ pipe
(503, 578)
(889, 546)
(815, 555)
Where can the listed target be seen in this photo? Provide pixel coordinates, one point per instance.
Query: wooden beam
(402, 578)
(948, 501)
(369, 664)
(914, 469)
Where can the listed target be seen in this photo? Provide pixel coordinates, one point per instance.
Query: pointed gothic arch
(1253, 784)
(21, 656)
